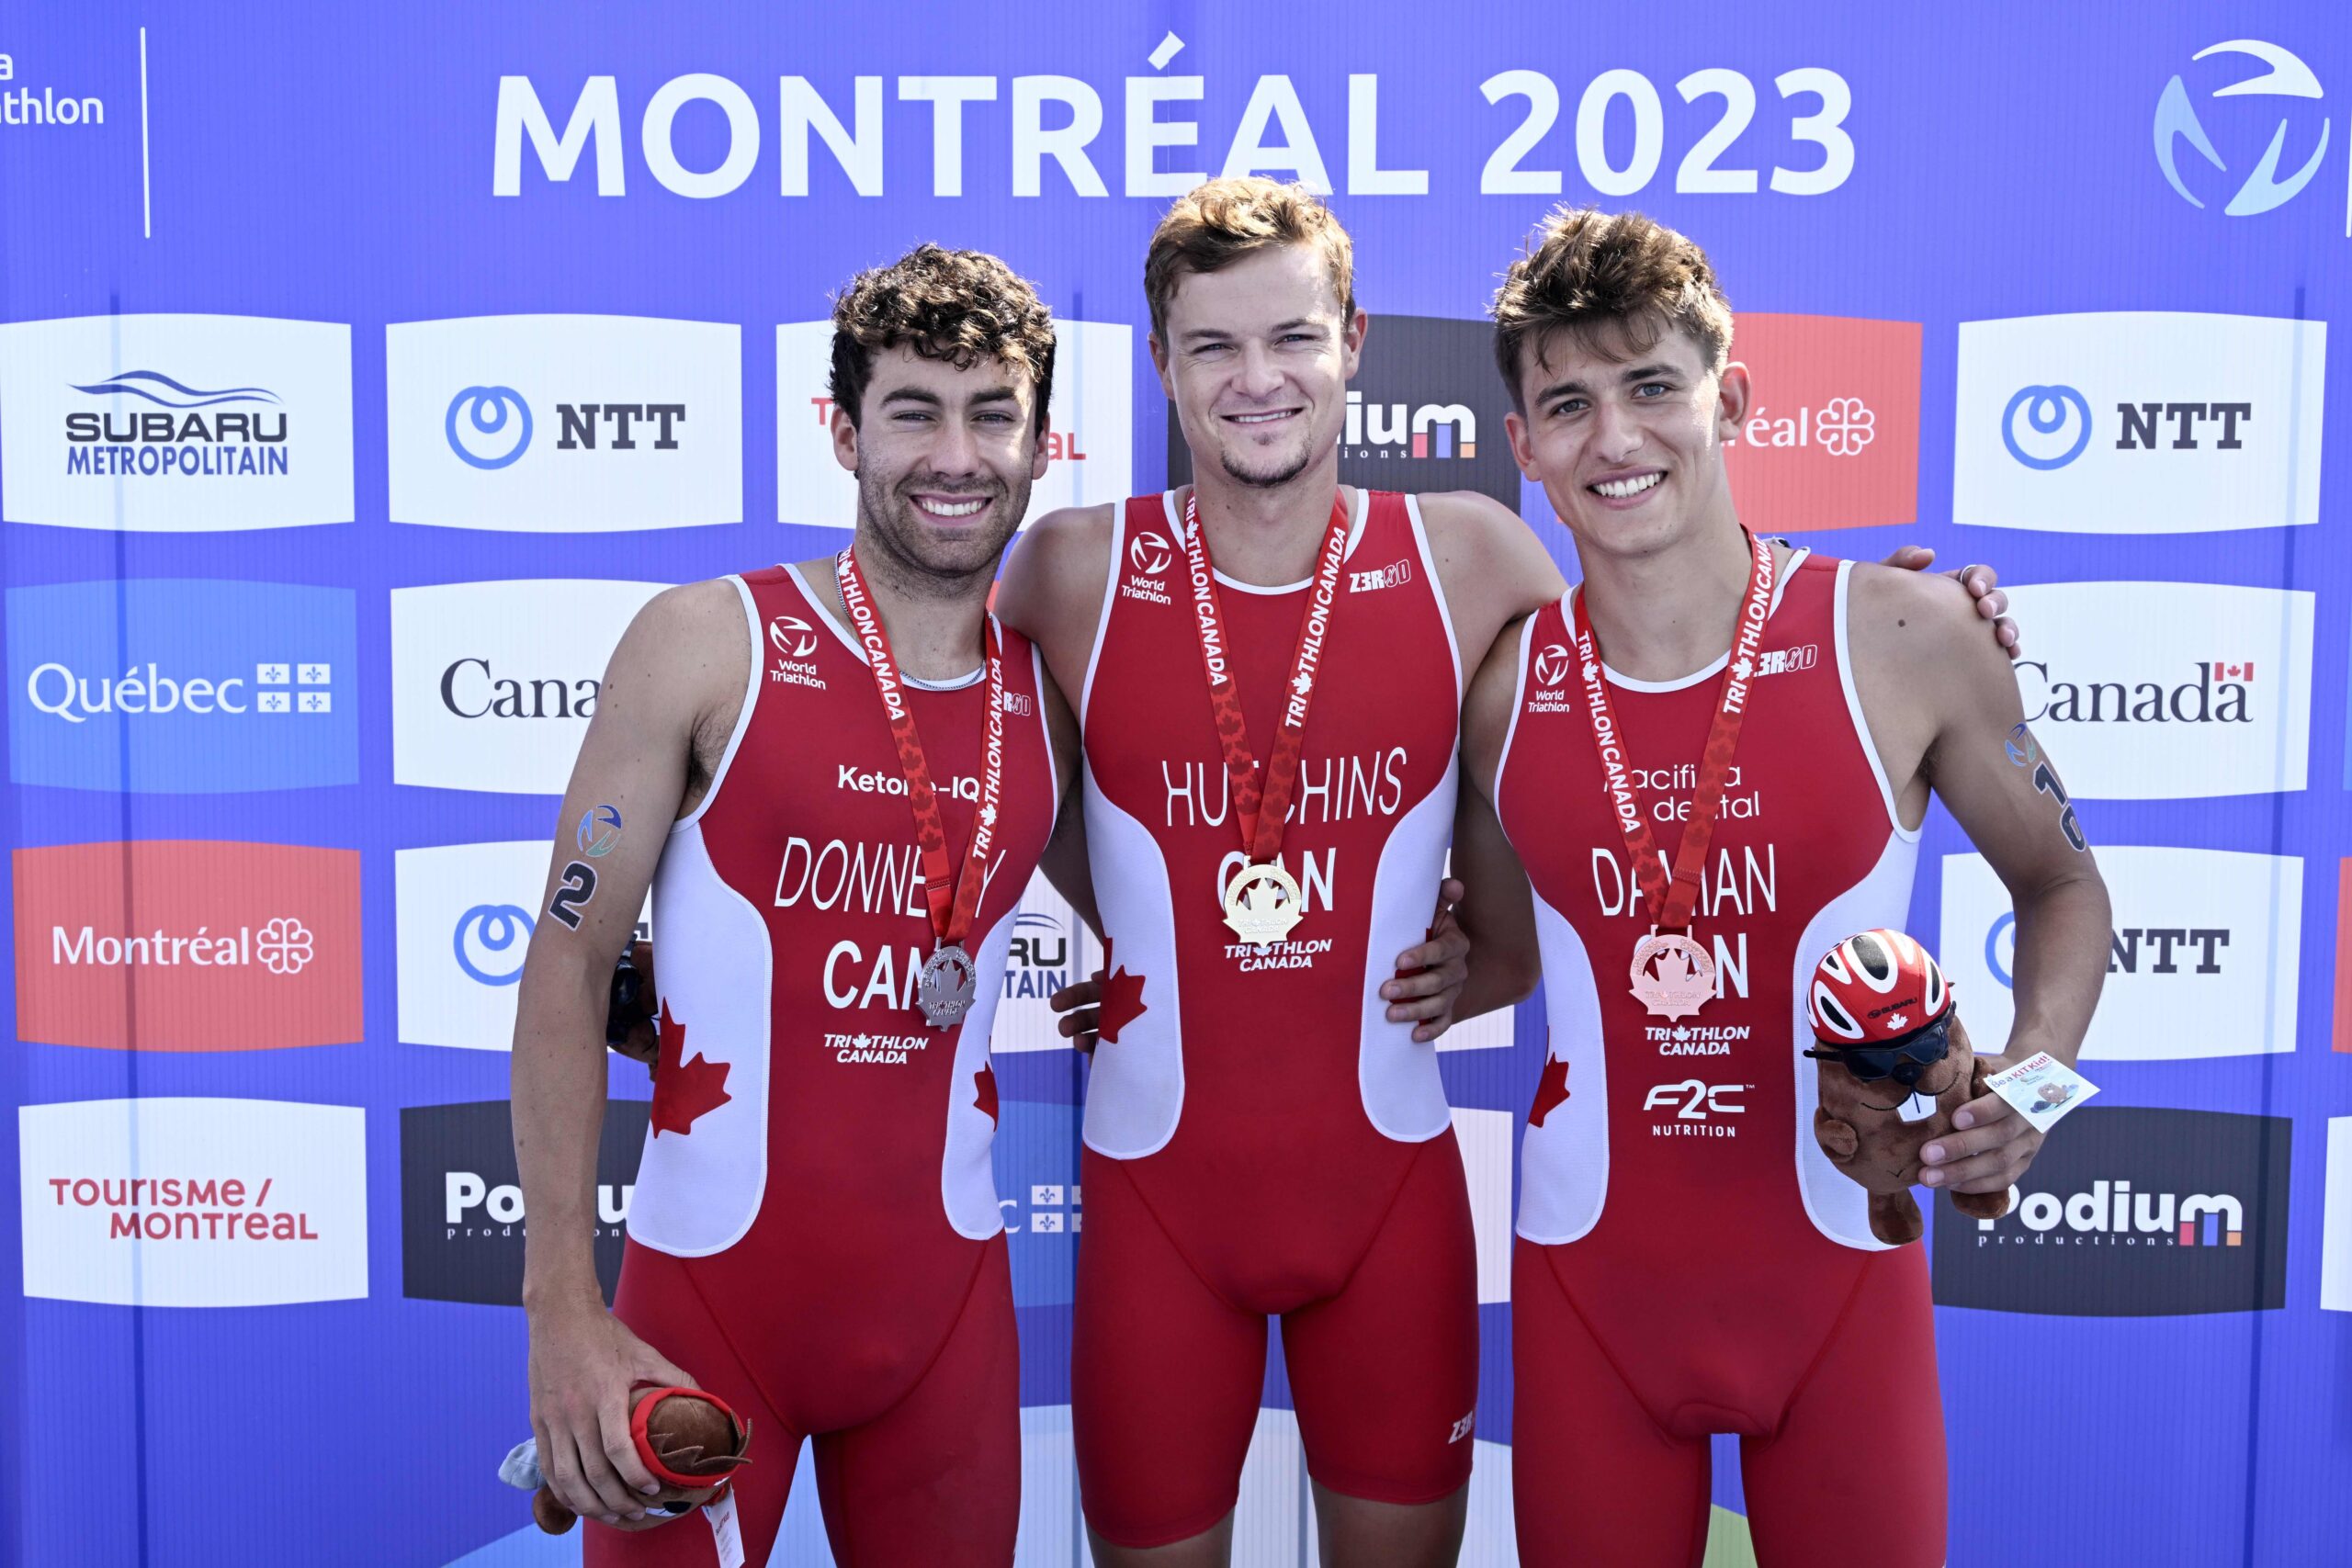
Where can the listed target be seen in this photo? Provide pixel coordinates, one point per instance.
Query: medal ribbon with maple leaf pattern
(1261, 813)
(1671, 902)
(953, 902)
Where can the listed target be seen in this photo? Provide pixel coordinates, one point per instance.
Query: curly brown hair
(959, 305)
(1584, 270)
(1219, 221)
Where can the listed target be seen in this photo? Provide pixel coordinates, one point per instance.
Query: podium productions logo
(2202, 960)
(2279, 95)
(157, 946)
(465, 916)
(565, 424)
(493, 683)
(2168, 691)
(2133, 1213)
(461, 1201)
(183, 686)
(194, 1202)
(1833, 438)
(176, 424)
(2139, 421)
(1090, 441)
(1425, 412)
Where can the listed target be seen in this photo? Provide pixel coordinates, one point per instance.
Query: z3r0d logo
(2179, 128)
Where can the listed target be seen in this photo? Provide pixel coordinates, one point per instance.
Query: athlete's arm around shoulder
(1943, 708)
(669, 700)
(1491, 565)
(1052, 588)
(1497, 910)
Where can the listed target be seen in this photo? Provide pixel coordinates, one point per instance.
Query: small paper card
(2042, 1088)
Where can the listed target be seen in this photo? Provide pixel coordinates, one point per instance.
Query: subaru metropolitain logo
(2261, 188)
(487, 411)
(2056, 426)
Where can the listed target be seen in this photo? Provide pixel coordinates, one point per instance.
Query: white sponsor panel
(2202, 961)
(566, 425)
(2335, 1241)
(1090, 441)
(465, 915)
(176, 424)
(494, 683)
(2168, 691)
(1050, 948)
(1487, 1139)
(2139, 421)
(194, 1202)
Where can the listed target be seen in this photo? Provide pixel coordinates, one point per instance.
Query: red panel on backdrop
(188, 946)
(1832, 439)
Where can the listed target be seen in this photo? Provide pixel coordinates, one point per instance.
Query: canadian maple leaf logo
(984, 1081)
(1122, 1001)
(683, 1092)
(1551, 1090)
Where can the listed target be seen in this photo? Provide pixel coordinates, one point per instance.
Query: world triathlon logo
(2055, 428)
(487, 412)
(2261, 188)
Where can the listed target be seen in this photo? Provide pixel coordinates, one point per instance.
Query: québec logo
(487, 412)
(182, 686)
(2261, 188)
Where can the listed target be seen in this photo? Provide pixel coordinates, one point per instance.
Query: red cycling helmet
(1874, 989)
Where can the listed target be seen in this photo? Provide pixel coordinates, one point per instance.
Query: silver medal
(944, 990)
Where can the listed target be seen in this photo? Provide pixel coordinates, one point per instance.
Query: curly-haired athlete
(831, 958)
(1768, 722)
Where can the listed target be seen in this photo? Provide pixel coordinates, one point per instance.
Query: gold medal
(1263, 903)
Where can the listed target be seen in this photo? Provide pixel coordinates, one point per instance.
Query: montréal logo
(2261, 188)
(2132, 1212)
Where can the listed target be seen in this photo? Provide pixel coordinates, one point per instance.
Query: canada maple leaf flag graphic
(683, 1092)
(1551, 1090)
(1122, 1001)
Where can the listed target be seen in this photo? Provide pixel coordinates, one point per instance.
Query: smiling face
(944, 458)
(1257, 359)
(1627, 438)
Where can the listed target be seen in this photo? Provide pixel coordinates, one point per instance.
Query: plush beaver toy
(689, 1439)
(1895, 1065)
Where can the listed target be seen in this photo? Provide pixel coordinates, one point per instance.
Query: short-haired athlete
(815, 1234)
(1270, 719)
(1769, 724)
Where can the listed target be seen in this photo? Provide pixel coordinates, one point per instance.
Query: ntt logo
(486, 412)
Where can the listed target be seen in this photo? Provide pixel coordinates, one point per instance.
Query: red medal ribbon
(1260, 814)
(1671, 902)
(954, 900)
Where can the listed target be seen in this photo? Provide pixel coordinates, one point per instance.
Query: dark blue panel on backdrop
(249, 263)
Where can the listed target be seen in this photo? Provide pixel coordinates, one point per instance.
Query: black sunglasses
(1905, 1062)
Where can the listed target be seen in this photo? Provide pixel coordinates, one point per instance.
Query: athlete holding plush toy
(1712, 759)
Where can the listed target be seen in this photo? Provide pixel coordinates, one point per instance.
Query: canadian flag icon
(2234, 672)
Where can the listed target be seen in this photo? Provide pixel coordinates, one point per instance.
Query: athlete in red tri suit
(1269, 1136)
(815, 1233)
(1688, 1262)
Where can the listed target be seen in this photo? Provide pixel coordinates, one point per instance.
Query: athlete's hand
(643, 1042)
(1984, 585)
(1079, 1003)
(584, 1361)
(1989, 1146)
(1430, 977)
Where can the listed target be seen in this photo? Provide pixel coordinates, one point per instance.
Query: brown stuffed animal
(1881, 1150)
(1880, 1000)
(690, 1440)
